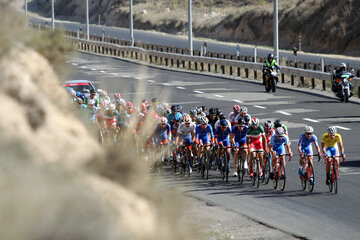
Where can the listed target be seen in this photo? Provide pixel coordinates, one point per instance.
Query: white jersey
(217, 124)
(232, 117)
(184, 130)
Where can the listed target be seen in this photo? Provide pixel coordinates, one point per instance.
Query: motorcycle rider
(337, 74)
(269, 63)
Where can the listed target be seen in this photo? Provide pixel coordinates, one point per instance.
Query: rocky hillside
(325, 25)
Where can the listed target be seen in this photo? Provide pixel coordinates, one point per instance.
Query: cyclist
(92, 111)
(162, 132)
(212, 117)
(304, 145)
(277, 147)
(193, 115)
(93, 96)
(278, 124)
(110, 119)
(256, 140)
(221, 117)
(175, 124)
(329, 145)
(170, 116)
(269, 132)
(222, 134)
(238, 140)
(186, 135)
(243, 113)
(247, 119)
(203, 130)
(232, 116)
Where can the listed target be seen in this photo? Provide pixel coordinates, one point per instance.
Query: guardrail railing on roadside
(295, 76)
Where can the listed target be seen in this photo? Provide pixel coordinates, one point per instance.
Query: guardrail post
(223, 69)
(202, 66)
(302, 81)
(255, 74)
(177, 63)
(292, 80)
(150, 57)
(166, 62)
(209, 67)
(323, 85)
(231, 71)
(312, 83)
(196, 66)
(246, 72)
(183, 63)
(136, 55)
(238, 72)
(172, 62)
(282, 78)
(189, 65)
(215, 65)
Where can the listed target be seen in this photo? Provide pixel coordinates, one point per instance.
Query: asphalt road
(319, 215)
(182, 42)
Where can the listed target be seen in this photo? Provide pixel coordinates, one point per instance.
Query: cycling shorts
(205, 140)
(308, 150)
(331, 151)
(225, 143)
(187, 140)
(279, 149)
(241, 143)
(256, 145)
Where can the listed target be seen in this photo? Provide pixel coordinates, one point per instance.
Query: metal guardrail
(299, 77)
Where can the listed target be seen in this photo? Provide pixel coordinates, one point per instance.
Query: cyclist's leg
(252, 155)
(236, 155)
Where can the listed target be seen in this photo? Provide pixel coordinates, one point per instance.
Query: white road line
(353, 173)
(198, 91)
(311, 120)
(284, 113)
(125, 76)
(151, 81)
(93, 69)
(165, 84)
(180, 87)
(238, 101)
(257, 106)
(343, 128)
(102, 71)
(221, 96)
(83, 67)
(138, 78)
(115, 74)
(74, 64)
(294, 140)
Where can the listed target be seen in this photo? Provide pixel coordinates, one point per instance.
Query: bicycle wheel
(253, 181)
(207, 166)
(276, 177)
(240, 170)
(331, 178)
(223, 163)
(310, 174)
(282, 179)
(335, 177)
(266, 173)
(303, 182)
(257, 175)
(174, 161)
(202, 166)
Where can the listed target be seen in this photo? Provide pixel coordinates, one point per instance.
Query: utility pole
(52, 15)
(87, 21)
(276, 29)
(190, 28)
(131, 24)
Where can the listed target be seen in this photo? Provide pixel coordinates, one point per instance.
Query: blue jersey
(204, 133)
(239, 135)
(170, 117)
(304, 142)
(275, 142)
(162, 131)
(222, 135)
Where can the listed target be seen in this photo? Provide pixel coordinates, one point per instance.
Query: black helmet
(212, 111)
(277, 123)
(203, 108)
(218, 111)
(241, 121)
(270, 56)
(247, 118)
(222, 116)
(174, 108)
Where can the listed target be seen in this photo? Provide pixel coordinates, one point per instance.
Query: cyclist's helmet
(78, 93)
(199, 110)
(178, 117)
(280, 131)
(212, 111)
(222, 116)
(247, 118)
(193, 112)
(332, 129)
(130, 104)
(155, 101)
(241, 121)
(243, 110)
(270, 56)
(180, 107)
(112, 107)
(268, 124)
(218, 111)
(277, 123)
(174, 108)
(342, 66)
(187, 118)
(204, 120)
(163, 120)
(255, 122)
(236, 108)
(99, 91)
(117, 96)
(203, 108)
(224, 123)
(308, 129)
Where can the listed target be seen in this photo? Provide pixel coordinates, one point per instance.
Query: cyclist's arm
(323, 147)
(289, 149)
(264, 140)
(341, 148)
(232, 139)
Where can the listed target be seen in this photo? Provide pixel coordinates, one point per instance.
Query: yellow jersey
(331, 142)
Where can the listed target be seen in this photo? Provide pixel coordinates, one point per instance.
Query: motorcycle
(342, 86)
(271, 78)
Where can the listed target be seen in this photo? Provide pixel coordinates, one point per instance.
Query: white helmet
(309, 129)
(243, 110)
(332, 129)
(280, 131)
(99, 91)
(112, 107)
